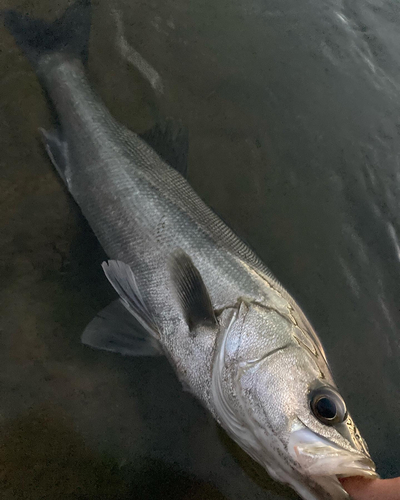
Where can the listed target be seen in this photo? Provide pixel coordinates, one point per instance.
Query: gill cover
(242, 345)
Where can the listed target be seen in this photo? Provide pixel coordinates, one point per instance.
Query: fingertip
(361, 488)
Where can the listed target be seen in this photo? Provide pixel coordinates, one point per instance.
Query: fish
(188, 287)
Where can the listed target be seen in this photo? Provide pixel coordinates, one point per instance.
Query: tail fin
(69, 34)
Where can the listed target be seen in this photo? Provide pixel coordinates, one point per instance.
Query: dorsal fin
(170, 141)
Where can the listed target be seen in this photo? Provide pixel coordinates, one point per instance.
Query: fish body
(189, 287)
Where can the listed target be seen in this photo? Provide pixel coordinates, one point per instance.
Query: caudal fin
(69, 34)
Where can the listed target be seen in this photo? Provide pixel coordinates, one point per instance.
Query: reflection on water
(293, 113)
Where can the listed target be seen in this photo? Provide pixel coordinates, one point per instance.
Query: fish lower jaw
(316, 456)
(337, 466)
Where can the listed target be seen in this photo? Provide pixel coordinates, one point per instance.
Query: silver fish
(189, 288)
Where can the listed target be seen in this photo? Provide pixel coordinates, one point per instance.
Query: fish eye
(328, 406)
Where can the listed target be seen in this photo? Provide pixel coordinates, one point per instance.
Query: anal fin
(115, 329)
(57, 149)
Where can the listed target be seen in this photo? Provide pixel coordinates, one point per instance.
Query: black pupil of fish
(326, 408)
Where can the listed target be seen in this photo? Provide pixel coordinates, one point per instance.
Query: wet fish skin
(255, 361)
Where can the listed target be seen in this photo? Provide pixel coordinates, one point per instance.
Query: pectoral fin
(115, 329)
(191, 291)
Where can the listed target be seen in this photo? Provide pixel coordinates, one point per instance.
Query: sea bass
(188, 287)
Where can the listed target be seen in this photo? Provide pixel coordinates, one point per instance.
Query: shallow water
(293, 113)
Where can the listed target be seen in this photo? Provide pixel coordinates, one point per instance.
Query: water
(293, 114)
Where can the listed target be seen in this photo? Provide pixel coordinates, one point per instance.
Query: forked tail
(37, 38)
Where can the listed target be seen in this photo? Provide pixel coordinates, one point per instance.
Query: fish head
(276, 397)
(323, 437)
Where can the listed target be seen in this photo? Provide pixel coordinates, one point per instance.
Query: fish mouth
(319, 457)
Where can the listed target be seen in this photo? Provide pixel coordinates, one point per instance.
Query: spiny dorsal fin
(191, 291)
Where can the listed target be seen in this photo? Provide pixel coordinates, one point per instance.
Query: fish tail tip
(68, 34)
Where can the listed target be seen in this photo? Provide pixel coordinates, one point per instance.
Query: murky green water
(293, 113)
